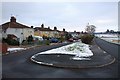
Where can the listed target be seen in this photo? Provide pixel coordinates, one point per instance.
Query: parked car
(38, 38)
(71, 40)
(53, 40)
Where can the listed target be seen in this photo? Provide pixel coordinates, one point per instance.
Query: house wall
(56, 34)
(27, 32)
(43, 33)
(2, 35)
(17, 32)
(47, 33)
(36, 33)
(21, 33)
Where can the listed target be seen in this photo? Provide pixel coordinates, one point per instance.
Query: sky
(73, 16)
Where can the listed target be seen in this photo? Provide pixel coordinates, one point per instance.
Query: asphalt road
(18, 65)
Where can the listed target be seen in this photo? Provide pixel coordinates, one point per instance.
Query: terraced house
(42, 31)
(17, 30)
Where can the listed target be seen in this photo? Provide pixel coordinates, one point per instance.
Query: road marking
(99, 48)
(104, 52)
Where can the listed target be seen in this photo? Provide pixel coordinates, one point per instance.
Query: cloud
(60, 0)
(71, 16)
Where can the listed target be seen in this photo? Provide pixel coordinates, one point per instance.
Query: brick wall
(3, 48)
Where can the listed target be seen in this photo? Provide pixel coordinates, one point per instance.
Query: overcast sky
(69, 15)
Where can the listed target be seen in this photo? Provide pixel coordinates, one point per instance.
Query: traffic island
(66, 61)
(99, 59)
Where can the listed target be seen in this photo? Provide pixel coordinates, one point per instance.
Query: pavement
(19, 65)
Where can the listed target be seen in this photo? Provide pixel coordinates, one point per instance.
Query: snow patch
(113, 38)
(80, 50)
(79, 58)
(15, 49)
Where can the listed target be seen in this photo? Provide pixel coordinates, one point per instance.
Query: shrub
(11, 41)
(87, 38)
(30, 39)
(40, 42)
(47, 42)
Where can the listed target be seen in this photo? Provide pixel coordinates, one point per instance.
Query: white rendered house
(19, 30)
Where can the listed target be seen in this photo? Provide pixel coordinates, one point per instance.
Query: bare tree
(90, 29)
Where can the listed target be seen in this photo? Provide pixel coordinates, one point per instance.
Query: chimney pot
(13, 19)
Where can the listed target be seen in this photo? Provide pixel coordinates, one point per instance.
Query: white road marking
(99, 48)
(104, 52)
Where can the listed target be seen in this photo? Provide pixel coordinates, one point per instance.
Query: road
(18, 65)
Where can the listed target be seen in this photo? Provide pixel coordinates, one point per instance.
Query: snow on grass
(15, 49)
(79, 58)
(113, 38)
(107, 35)
(80, 50)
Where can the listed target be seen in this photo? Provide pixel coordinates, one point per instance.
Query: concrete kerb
(77, 67)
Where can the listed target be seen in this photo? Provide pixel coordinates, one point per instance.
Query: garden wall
(3, 48)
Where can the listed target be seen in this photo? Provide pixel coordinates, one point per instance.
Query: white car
(38, 38)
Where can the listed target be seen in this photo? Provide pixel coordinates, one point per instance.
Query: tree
(107, 31)
(111, 31)
(90, 29)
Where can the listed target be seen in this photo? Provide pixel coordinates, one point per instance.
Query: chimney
(31, 26)
(42, 26)
(48, 27)
(13, 19)
(63, 29)
(55, 28)
(74, 31)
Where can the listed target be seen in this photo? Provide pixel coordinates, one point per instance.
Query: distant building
(16, 30)
(75, 34)
(63, 33)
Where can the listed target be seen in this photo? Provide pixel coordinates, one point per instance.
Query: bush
(11, 41)
(30, 39)
(47, 42)
(40, 42)
(87, 38)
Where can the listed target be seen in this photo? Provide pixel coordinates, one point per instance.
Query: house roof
(74, 32)
(44, 29)
(13, 24)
